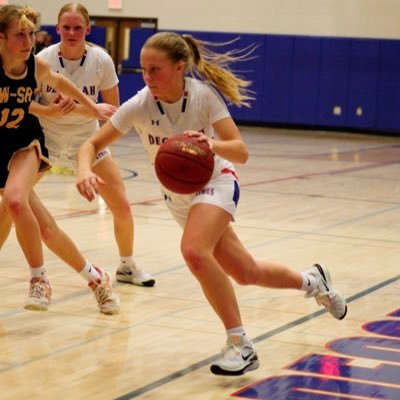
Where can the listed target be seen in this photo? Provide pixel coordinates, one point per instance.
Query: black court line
(194, 367)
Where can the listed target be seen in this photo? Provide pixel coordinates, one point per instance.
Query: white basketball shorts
(222, 191)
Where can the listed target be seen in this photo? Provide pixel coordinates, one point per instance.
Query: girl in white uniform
(171, 104)
(93, 73)
(65, 127)
(155, 120)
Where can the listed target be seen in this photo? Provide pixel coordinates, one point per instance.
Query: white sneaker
(39, 295)
(237, 357)
(134, 275)
(107, 300)
(325, 294)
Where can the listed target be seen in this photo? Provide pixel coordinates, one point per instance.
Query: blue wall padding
(129, 84)
(304, 93)
(277, 78)
(333, 81)
(363, 83)
(388, 107)
(138, 36)
(97, 36)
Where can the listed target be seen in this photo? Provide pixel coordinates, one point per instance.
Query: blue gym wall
(313, 81)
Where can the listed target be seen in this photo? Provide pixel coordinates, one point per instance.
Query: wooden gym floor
(306, 197)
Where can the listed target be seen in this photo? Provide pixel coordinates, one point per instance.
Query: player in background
(66, 125)
(24, 158)
(209, 244)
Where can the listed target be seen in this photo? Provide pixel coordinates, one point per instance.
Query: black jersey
(18, 129)
(15, 97)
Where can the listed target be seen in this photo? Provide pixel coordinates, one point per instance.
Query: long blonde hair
(202, 62)
(27, 16)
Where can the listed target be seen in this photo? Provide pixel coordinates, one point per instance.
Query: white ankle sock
(90, 273)
(309, 282)
(39, 272)
(238, 336)
(127, 261)
(238, 331)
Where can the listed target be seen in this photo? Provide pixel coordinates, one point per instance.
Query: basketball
(183, 164)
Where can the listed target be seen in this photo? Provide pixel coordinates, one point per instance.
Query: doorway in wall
(122, 37)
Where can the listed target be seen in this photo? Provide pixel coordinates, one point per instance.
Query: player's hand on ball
(88, 185)
(201, 137)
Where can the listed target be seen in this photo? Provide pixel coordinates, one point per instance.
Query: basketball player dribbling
(24, 158)
(209, 245)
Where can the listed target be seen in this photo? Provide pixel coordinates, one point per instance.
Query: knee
(14, 204)
(122, 210)
(125, 210)
(194, 257)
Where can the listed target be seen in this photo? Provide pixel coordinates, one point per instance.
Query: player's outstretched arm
(58, 107)
(110, 96)
(87, 182)
(63, 85)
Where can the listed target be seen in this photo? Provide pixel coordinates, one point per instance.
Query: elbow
(244, 156)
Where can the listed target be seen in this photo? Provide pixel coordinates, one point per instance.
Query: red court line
(311, 174)
(79, 213)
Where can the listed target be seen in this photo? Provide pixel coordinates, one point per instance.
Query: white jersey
(155, 121)
(198, 109)
(94, 72)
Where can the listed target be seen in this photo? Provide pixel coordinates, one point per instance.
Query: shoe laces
(102, 292)
(230, 351)
(324, 299)
(317, 293)
(37, 288)
(136, 270)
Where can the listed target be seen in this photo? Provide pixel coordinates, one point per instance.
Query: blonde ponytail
(204, 63)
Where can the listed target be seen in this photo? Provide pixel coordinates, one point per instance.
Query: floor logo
(334, 377)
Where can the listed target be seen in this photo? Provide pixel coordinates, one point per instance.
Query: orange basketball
(183, 164)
